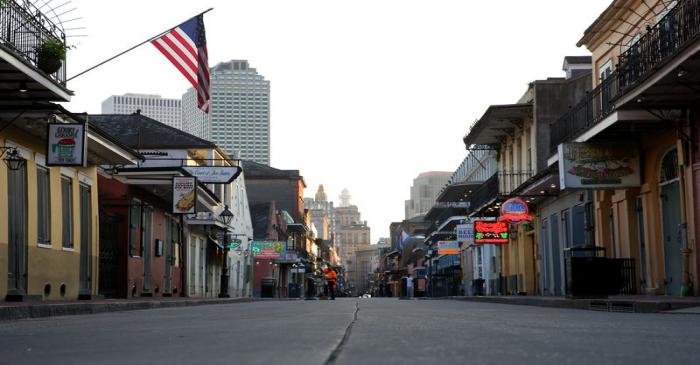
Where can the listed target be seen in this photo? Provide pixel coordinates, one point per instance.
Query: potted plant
(50, 56)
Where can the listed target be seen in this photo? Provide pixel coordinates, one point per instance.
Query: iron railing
(678, 28)
(508, 181)
(24, 28)
(484, 193)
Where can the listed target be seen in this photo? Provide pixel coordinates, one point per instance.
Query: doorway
(85, 242)
(671, 220)
(17, 220)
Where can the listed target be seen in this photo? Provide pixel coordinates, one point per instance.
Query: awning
(497, 122)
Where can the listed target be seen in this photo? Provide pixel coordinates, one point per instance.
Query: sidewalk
(630, 304)
(22, 310)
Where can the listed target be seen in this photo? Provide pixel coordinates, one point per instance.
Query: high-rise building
(425, 189)
(166, 111)
(239, 121)
(194, 120)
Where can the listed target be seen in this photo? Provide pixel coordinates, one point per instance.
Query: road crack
(339, 348)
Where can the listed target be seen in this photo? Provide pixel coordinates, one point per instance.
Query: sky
(365, 94)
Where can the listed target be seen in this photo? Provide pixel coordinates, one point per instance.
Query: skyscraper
(166, 111)
(425, 189)
(240, 113)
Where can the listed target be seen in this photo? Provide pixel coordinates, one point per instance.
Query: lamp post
(13, 160)
(225, 217)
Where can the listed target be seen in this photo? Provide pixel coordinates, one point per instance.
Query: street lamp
(13, 160)
(225, 217)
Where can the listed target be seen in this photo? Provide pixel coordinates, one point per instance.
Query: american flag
(186, 47)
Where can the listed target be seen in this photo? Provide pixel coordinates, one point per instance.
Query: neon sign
(490, 232)
(514, 211)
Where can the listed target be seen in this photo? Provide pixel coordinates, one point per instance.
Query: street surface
(386, 331)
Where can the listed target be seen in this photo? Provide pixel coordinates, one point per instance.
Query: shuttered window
(67, 211)
(135, 228)
(43, 206)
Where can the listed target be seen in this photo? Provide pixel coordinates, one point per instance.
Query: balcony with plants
(33, 39)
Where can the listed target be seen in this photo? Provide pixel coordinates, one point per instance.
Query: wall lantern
(13, 159)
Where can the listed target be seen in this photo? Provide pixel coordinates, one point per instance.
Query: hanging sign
(597, 166)
(490, 232)
(267, 249)
(184, 195)
(66, 144)
(515, 211)
(448, 247)
(214, 174)
(465, 233)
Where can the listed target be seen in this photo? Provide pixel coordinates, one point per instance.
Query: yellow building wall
(624, 204)
(52, 264)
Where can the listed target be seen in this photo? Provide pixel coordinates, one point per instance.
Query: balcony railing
(23, 29)
(484, 193)
(511, 180)
(679, 27)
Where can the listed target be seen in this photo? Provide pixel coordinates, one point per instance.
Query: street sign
(66, 144)
(214, 174)
(184, 195)
(465, 233)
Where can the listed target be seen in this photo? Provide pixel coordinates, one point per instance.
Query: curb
(603, 305)
(44, 310)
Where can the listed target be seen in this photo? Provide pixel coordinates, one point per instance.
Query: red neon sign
(490, 232)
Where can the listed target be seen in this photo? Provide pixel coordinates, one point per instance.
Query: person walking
(331, 277)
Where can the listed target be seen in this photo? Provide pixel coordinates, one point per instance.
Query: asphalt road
(354, 331)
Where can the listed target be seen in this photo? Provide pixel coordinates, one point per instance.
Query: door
(671, 220)
(192, 266)
(557, 271)
(545, 252)
(642, 243)
(147, 249)
(85, 241)
(17, 219)
(168, 253)
(671, 211)
(109, 255)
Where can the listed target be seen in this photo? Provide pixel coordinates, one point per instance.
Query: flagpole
(134, 47)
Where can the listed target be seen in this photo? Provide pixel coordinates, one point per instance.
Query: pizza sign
(490, 232)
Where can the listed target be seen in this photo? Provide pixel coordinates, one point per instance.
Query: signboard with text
(490, 232)
(596, 165)
(267, 249)
(515, 211)
(448, 247)
(184, 195)
(465, 233)
(66, 144)
(214, 174)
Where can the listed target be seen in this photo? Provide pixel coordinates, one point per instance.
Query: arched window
(669, 166)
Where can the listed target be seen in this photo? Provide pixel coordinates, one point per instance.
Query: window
(67, 211)
(135, 228)
(43, 206)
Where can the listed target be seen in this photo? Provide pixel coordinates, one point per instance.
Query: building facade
(239, 120)
(424, 190)
(164, 110)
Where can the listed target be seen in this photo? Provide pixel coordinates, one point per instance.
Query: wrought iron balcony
(485, 193)
(677, 29)
(508, 181)
(24, 28)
